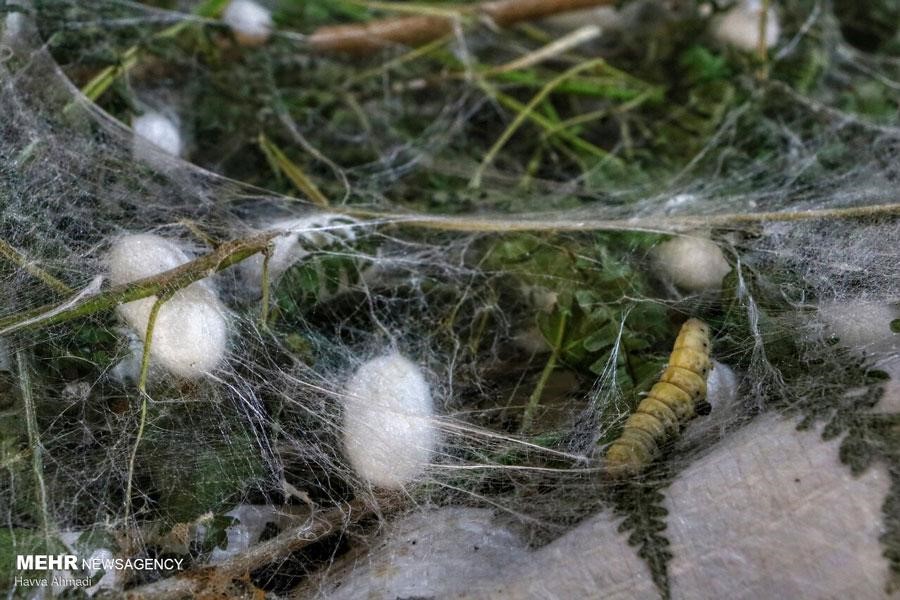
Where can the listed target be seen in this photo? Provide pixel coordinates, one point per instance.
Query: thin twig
(15, 257)
(547, 124)
(142, 391)
(191, 584)
(224, 256)
(37, 447)
(601, 113)
(422, 28)
(292, 171)
(404, 58)
(553, 49)
(762, 45)
(264, 286)
(234, 251)
(535, 399)
(671, 224)
(523, 114)
(198, 233)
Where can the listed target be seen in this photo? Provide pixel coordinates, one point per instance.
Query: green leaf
(603, 338)
(216, 534)
(551, 323)
(586, 299)
(701, 65)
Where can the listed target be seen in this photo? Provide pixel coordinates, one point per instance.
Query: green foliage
(587, 286)
(15, 541)
(306, 14)
(216, 532)
(93, 343)
(688, 128)
(614, 86)
(315, 279)
(205, 479)
(583, 296)
(701, 65)
(641, 505)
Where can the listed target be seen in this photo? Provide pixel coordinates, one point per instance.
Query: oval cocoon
(389, 435)
(250, 22)
(154, 132)
(191, 334)
(739, 26)
(692, 263)
(721, 387)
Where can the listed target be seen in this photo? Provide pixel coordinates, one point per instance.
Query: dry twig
(234, 251)
(419, 29)
(193, 583)
(222, 257)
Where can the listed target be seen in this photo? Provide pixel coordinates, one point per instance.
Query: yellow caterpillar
(671, 401)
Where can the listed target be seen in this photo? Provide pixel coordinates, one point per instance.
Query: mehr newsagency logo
(63, 568)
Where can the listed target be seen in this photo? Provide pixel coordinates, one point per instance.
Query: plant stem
(264, 285)
(551, 50)
(224, 256)
(549, 125)
(400, 60)
(361, 38)
(13, 256)
(674, 224)
(526, 111)
(762, 47)
(234, 251)
(34, 441)
(191, 584)
(535, 399)
(292, 170)
(142, 391)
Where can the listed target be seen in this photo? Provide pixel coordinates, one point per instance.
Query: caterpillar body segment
(695, 339)
(694, 333)
(690, 359)
(660, 411)
(649, 424)
(678, 401)
(670, 402)
(688, 381)
(628, 450)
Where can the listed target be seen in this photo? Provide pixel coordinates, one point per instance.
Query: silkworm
(668, 404)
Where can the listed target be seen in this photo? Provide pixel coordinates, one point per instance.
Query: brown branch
(222, 257)
(664, 224)
(359, 38)
(235, 251)
(193, 583)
